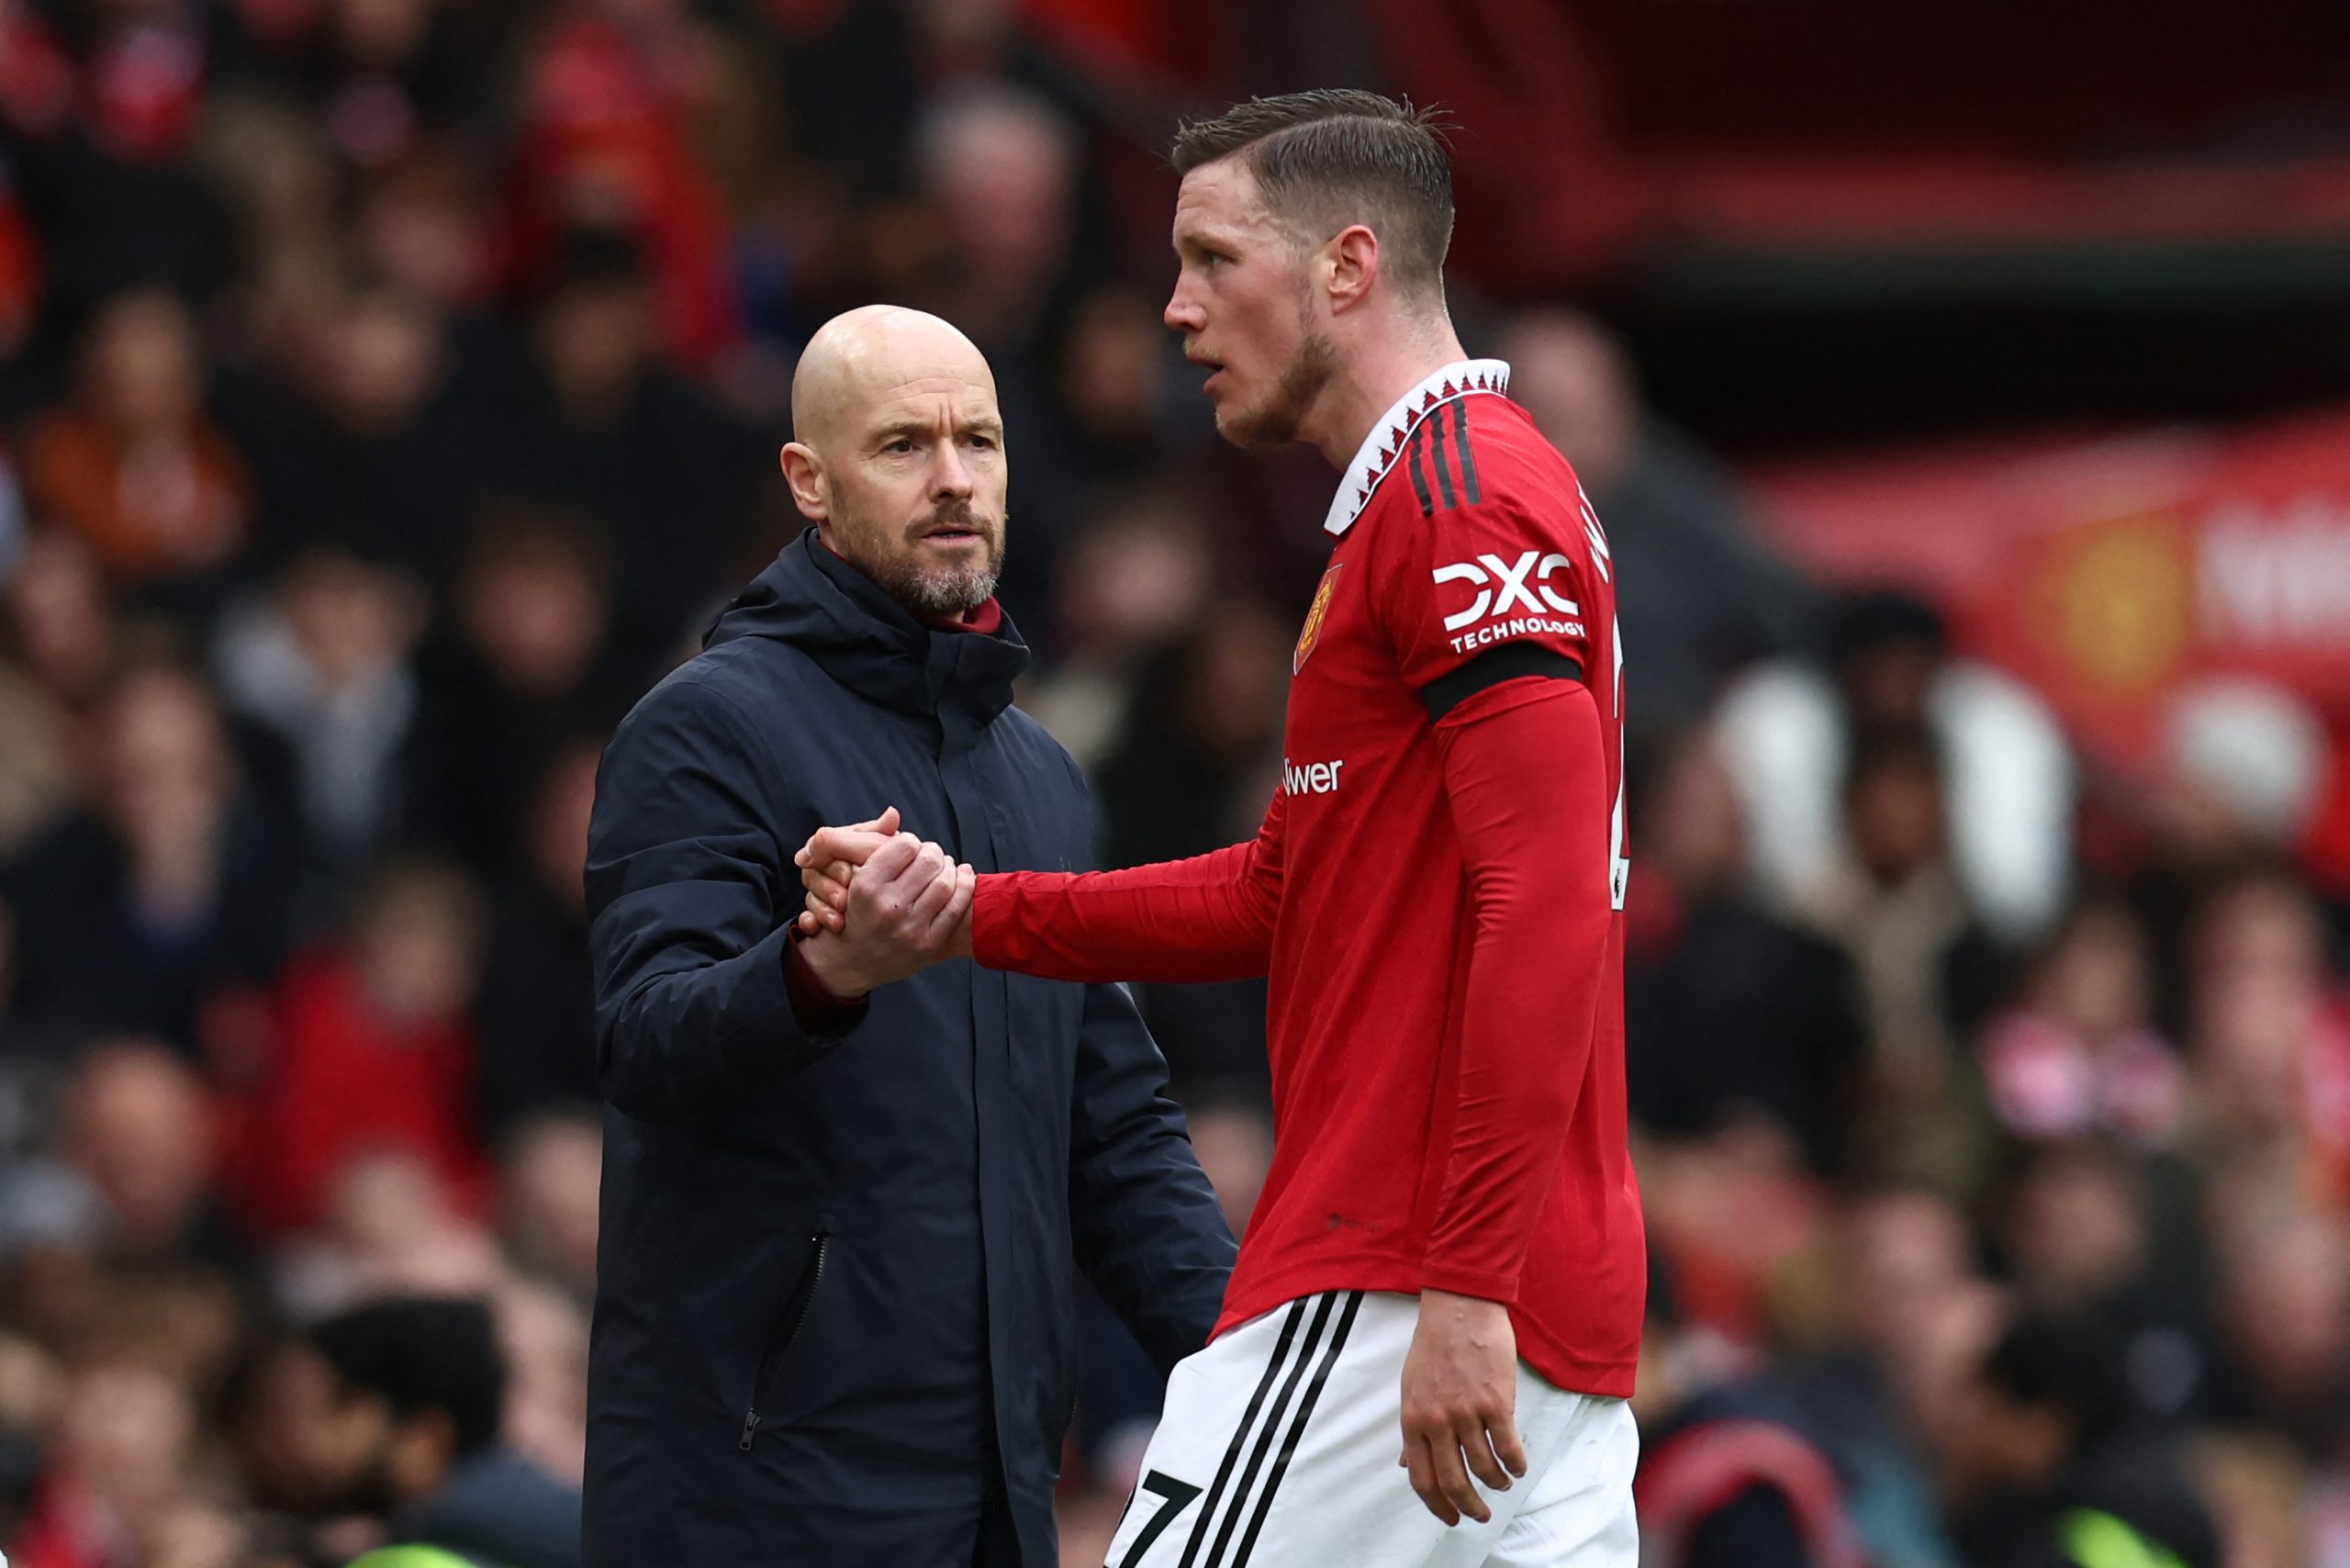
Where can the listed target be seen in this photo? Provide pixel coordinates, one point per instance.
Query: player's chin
(1249, 428)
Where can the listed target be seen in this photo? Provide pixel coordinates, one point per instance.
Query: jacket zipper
(813, 1277)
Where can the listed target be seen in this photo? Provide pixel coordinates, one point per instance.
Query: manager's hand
(907, 907)
(828, 859)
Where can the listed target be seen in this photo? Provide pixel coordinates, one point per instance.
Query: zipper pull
(750, 1427)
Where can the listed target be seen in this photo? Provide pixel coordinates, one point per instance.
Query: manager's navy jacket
(834, 1290)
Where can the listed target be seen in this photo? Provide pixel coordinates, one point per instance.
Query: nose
(950, 475)
(1183, 313)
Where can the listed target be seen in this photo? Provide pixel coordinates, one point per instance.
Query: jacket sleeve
(693, 1009)
(1148, 1232)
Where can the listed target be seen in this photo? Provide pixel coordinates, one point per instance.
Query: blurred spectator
(1701, 592)
(1113, 385)
(999, 168)
(521, 667)
(1926, 971)
(2079, 1053)
(20, 269)
(535, 1008)
(1728, 1477)
(1906, 1312)
(133, 465)
(598, 425)
(393, 1411)
(371, 1051)
(165, 892)
(2053, 1466)
(390, 1225)
(322, 666)
(1728, 1011)
(2235, 780)
(1124, 588)
(553, 1168)
(2008, 774)
(2270, 1045)
(605, 144)
(545, 1336)
(2285, 1309)
(1731, 1217)
(138, 1125)
(377, 76)
(62, 626)
(365, 436)
(99, 102)
(1192, 772)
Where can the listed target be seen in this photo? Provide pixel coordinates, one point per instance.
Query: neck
(1367, 381)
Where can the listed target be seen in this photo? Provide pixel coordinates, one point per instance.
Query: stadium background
(388, 393)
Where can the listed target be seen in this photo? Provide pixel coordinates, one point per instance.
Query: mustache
(955, 513)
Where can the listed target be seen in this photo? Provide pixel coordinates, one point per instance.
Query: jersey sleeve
(1500, 574)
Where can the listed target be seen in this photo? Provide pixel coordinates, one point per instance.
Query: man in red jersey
(1449, 1245)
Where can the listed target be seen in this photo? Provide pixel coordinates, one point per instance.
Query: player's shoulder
(1477, 456)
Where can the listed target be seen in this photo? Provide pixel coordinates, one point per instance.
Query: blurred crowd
(389, 392)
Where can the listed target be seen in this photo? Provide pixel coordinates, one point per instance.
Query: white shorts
(1278, 1449)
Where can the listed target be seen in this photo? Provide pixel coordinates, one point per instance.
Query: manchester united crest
(1313, 633)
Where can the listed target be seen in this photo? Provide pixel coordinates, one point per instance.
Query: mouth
(954, 533)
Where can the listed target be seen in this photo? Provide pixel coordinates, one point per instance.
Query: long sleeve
(1147, 1226)
(1525, 773)
(1207, 918)
(693, 1006)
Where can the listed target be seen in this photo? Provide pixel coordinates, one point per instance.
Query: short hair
(421, 1354)
(1337, 156)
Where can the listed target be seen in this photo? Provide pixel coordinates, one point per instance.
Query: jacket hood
(857, 634)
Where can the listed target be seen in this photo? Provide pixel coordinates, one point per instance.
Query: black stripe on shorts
(1265, 1434)
(1297, 1427)
(1240, 1434)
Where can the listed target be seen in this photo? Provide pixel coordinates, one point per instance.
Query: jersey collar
(1385, 443)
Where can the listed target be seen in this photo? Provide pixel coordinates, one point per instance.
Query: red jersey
(1435, 895)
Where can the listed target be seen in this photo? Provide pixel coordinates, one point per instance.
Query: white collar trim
(1385, 443)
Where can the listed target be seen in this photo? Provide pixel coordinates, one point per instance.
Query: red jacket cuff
(816, 1010)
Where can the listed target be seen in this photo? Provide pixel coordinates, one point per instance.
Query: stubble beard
(944, 590)
(1276, 420)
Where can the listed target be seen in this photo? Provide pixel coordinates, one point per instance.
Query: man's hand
(1461, 1402)
(826, 863)
(907, 908)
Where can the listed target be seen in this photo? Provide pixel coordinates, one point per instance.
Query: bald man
(842, 1199)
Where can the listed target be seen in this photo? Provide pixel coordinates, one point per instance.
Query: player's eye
(901, 445)
(984, 442)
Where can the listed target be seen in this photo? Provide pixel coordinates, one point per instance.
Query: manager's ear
(804, 471)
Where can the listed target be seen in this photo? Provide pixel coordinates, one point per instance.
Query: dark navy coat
(833, 1309)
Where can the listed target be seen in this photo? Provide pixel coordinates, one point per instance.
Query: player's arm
(1485, 611)
(1526, 773)
(693, 1005)
(1207, 918)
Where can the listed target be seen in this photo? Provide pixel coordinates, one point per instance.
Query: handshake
(882, 905)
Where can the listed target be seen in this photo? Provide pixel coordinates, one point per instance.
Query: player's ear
(1351, 265)
(804, 471)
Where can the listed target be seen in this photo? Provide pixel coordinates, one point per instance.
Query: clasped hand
(882, 905)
